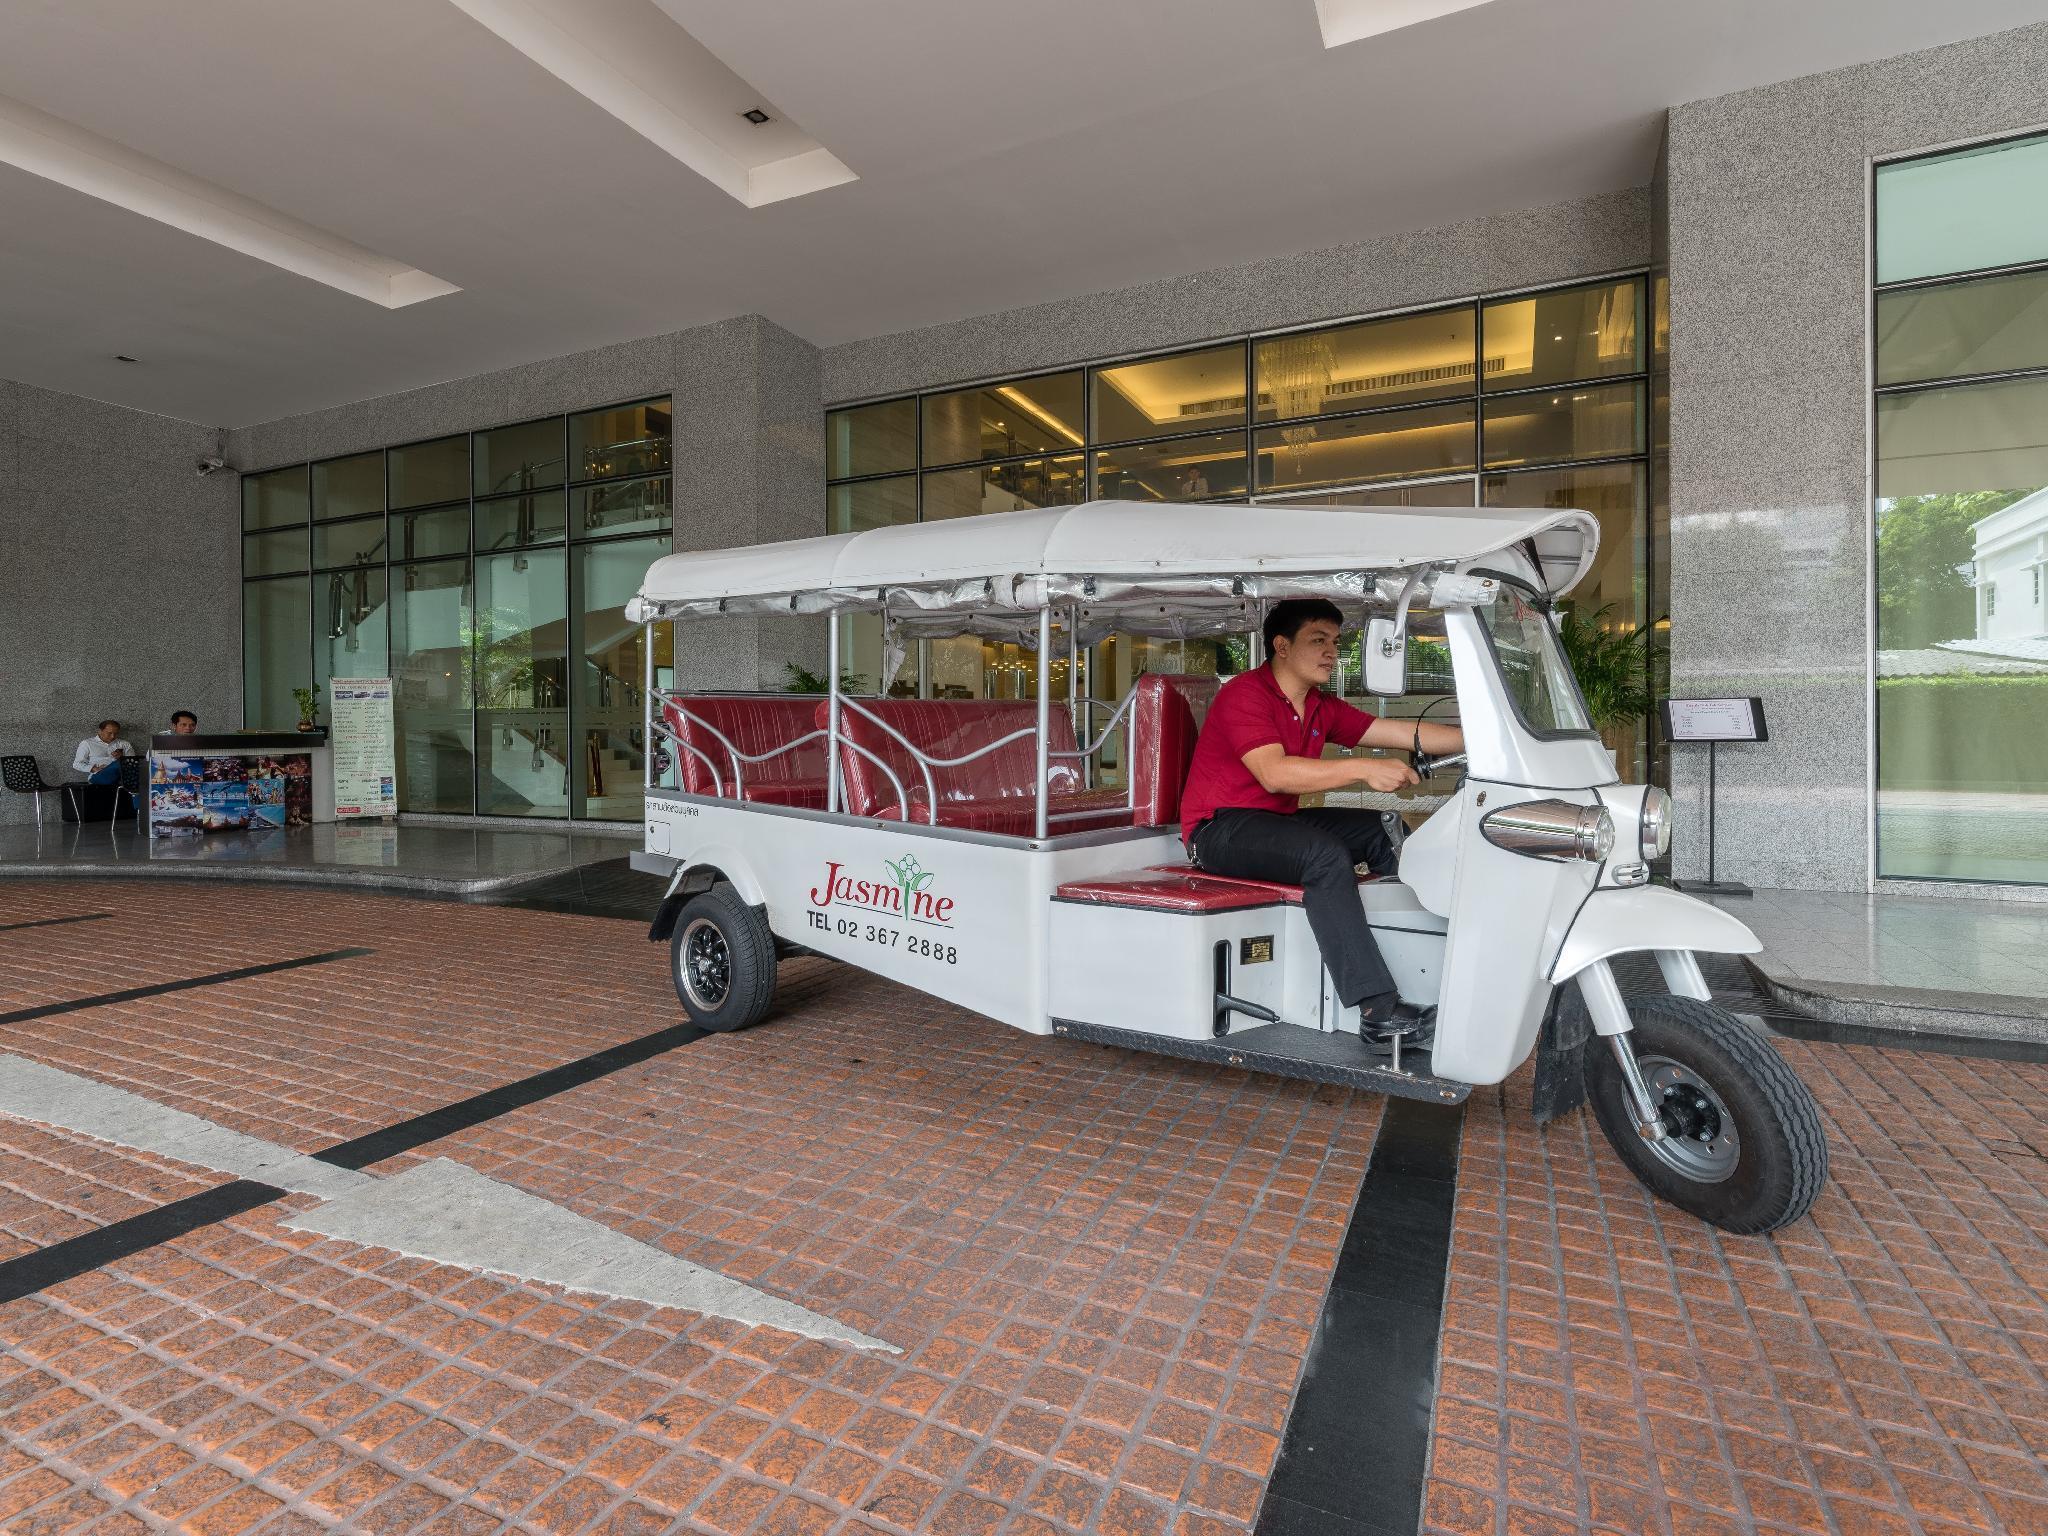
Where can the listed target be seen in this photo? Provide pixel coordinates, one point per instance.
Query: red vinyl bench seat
(754, 724)
(994, 793)
(991, 794)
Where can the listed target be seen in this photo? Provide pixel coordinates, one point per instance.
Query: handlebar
(1427, 766)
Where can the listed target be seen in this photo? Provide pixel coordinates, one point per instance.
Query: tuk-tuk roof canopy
(1112, 558)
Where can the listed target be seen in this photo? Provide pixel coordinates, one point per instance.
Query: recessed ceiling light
(123, 357)
(635, 60)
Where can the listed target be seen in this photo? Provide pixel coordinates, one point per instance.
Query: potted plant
(308, 700)
(800, 679)
(1612, 663)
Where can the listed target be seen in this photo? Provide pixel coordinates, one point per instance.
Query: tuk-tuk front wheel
(1743, 1147)
(722, 956)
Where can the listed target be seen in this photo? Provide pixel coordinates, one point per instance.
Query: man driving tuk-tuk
(1259, 752)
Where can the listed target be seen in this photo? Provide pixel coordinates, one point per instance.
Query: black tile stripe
(1355, 1455)
(131, 994)
(52, 922)
(493, 1102)
(76, 1256)
(81, 1255)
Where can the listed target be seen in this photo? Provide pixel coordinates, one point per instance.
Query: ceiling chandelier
(1296, 372)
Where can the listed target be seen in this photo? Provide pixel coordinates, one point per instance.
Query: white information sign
(1714, 719)
(365, 760)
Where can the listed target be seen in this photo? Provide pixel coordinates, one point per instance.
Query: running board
(1286, 1050)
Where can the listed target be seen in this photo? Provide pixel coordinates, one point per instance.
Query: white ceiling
(1005, 154)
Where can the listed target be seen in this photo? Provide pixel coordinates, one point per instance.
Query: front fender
(1647, 917)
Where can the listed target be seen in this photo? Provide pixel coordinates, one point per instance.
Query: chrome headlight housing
(1656, 823)
(1551, 829)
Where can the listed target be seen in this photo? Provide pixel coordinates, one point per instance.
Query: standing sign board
(365, 765)
(1714, 720)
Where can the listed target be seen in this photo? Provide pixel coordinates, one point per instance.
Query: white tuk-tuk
(982, 850)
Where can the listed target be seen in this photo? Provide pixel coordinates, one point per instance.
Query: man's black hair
(105, 723)
(1284, 619)
(183, 714)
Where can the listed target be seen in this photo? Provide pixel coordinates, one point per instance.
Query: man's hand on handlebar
(1385, 774)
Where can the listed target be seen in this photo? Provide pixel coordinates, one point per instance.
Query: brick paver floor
(1880, 1370)
(1101, 1270)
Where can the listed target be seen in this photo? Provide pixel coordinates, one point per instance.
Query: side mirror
(1384, 652)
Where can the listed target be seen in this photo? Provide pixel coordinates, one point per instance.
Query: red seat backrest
(753, 723)
(949, 728)
(1165, 719)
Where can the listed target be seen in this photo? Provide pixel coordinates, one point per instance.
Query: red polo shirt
(1250, 712)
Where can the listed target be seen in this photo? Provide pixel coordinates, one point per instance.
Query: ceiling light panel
(1346, 21)
(634, 60)
(63, 152)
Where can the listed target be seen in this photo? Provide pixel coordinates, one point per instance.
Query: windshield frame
(1541, 603)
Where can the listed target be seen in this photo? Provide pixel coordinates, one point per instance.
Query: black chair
(20, 773)
(134, 784)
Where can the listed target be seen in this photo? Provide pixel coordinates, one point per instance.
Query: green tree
(1924, 546)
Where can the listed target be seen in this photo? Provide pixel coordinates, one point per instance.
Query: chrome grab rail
(902, 798)
(924, 760)
(1095, 746)
(931, 791)
(717, 784)
(927, 763)
(674, 701)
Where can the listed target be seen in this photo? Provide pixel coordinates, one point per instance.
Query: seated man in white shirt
(99, 756)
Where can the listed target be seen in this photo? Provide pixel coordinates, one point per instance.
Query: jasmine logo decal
(849, 908)
(906, 893)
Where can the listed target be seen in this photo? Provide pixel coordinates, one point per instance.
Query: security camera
(208, 465)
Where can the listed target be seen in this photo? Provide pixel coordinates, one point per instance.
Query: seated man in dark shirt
(1260, 750)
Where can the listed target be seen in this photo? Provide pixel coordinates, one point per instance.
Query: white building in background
(2012, 573)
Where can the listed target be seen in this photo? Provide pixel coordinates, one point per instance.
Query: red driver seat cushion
(754, 724)
(994, 793)
(1160, 891)
(1182, 888)
(1166, 717)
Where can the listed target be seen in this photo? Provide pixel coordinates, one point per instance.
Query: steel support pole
(1074, 711)
(1044, 714)
(832, 714)
(647, 708)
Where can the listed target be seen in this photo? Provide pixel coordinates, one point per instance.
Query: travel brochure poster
(365, 747)
(191, 795)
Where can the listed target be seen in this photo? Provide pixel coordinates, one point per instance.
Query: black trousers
(1316, 850)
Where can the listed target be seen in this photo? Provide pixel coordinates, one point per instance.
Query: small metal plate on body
(1255, 950)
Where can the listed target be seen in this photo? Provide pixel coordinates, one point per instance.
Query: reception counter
(238, 781)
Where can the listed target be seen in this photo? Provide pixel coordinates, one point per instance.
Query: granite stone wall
(1512, 250)
(1768, 234)
(119, 583)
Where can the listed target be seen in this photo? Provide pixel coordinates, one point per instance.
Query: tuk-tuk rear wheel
(1753, 1159)
(722, 959)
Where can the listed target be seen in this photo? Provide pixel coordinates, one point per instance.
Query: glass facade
(1960, 361)
(1534, 399)
(471, 569)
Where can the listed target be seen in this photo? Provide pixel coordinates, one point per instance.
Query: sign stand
(1713, 721)
(365, 777)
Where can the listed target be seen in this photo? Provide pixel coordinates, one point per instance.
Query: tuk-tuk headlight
(1656, 823)
(1551, 829)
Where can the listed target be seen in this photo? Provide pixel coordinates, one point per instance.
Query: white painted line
(31, 1091)
(439, 1210)
(444, 1211)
